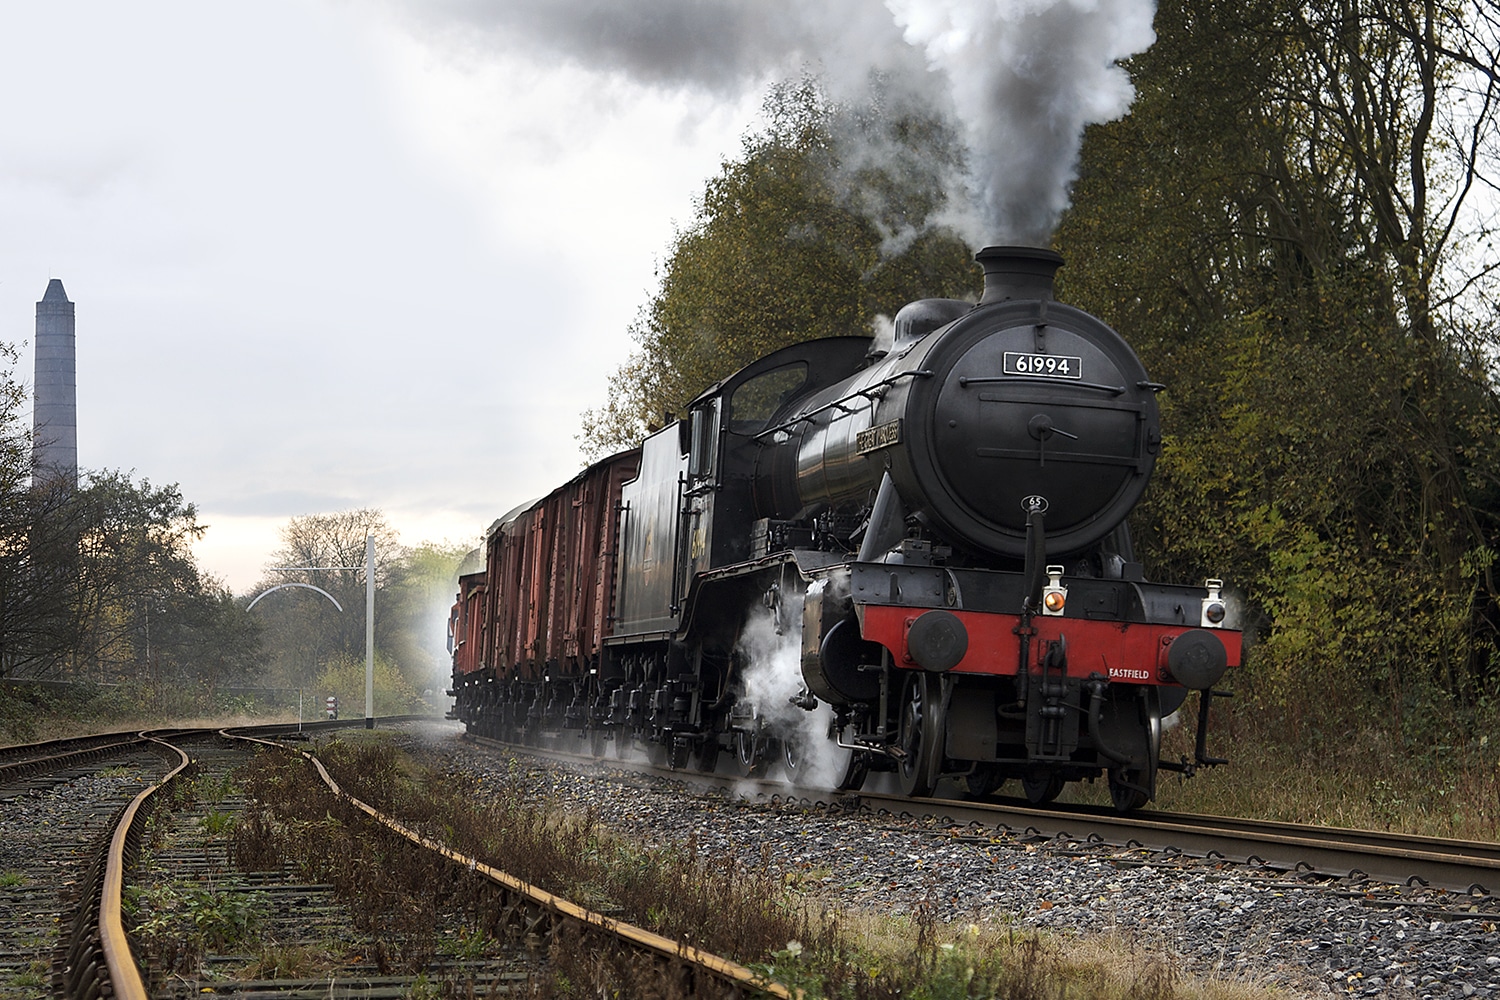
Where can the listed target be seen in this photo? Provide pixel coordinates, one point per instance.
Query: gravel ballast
(1229, 921)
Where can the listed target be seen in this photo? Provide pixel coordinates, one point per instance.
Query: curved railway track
(1468, 867)
(96, 957)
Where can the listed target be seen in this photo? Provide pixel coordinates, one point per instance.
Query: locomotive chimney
(1017, 273)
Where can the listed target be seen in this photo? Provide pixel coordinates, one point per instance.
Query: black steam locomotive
(903, 554)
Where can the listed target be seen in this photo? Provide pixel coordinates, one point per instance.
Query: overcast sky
(329, 254)
(323, 259)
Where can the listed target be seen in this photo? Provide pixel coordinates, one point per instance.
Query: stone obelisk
(54, 440)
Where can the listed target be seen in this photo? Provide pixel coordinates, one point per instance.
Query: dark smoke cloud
(1020, 78)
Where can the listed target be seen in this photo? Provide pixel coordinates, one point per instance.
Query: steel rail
(124, 975)
(1460, 866)
(98, 958)
(1471, 867)
(723, 968)
(66, 744)
(62, 754)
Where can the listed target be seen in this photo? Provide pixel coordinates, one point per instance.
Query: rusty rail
(97, 961)
(545, 908)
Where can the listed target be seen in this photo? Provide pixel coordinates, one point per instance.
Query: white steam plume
(773, 677)
(1025, 77)
(1020, 78)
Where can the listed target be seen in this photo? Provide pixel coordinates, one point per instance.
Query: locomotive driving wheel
(921, 735)
(855, 772)
(1126, 790)
(793, 759)
(750, 753)
(753, 748)
(855, 766)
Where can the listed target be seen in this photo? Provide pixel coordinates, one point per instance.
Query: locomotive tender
(934, 517)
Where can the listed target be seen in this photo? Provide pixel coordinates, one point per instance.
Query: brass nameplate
(877, 437)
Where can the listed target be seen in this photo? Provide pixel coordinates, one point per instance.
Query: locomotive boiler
(931, 521)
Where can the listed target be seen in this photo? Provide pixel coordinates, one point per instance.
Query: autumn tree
(99, 582)
(327, 551)
(804, 236)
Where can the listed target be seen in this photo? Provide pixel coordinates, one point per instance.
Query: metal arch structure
(283, 586)
(369, 568)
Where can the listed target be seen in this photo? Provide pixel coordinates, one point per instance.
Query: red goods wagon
(550, 565)
(466, 624)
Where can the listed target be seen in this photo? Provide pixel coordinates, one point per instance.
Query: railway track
(54, 818)
(203, 923)
(1471, 868)
(164, 864)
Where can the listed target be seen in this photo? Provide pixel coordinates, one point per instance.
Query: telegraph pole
(369, 630)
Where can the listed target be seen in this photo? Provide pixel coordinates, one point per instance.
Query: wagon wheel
(597, 738)
(657, 752)
(1042, 787)
(622, 741)
(921, 736)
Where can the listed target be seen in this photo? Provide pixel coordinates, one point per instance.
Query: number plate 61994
(1043, 365)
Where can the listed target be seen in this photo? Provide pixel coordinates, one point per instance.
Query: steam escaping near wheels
(770, 648)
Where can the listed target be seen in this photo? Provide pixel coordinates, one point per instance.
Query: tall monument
(54, 433)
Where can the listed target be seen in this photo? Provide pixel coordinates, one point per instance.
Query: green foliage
(802, 237)
(344, 677)
(187, 918)
(1272, 227)
(217, 823)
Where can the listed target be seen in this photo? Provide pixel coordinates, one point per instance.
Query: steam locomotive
(905, 553)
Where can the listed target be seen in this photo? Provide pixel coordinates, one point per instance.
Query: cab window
(703, 443)
(755, 402)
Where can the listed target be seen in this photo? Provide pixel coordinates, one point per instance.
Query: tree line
(311, 644)
(99, 585)
(98, 579)
(1294, 226)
